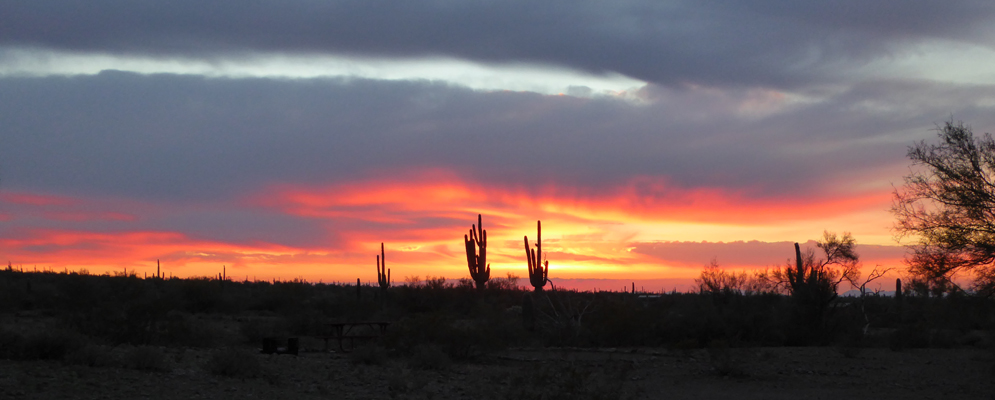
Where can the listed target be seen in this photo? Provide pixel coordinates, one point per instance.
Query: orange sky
(643, 230)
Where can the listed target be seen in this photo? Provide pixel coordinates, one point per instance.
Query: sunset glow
(422, 220)
(292, 139)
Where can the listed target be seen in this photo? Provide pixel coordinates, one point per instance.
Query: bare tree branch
(948, 206)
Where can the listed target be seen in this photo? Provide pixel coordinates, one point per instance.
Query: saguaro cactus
(538, 269)
(476, 253)
(796, 278)
(898, 299)
(808, 283)
(383, 274)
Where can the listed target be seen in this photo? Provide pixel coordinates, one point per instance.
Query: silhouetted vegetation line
(79, 314)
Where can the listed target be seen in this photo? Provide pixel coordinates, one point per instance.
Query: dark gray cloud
(170, 137)
(719, 42)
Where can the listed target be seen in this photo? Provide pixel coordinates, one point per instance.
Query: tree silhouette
(948, 205)
(813, 282)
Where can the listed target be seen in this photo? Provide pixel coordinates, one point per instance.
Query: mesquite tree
(948, 206)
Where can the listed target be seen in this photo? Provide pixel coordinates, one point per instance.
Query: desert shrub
(573, 381)
(254, 329)
(280, 297)
(850, 344)
(621, 323)
(563, 317)
(417, 329)
(10, 344)
(908, 336)
(429, 356)
(184, 330)
(92, 356)
(509, 283)
(459, 339)
(977, 338)
(201, 295)
(135, 315)
(724, 361)
(305, 322)
(13, 291)
(146, 358)
(235, 363)
(468, 339)
(848, 328)
(49, 345)
(404, 383)
(368, 355)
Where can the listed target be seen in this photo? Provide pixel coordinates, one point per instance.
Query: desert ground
(121, 337)
(552, 373)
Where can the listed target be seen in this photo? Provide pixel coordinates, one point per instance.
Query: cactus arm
(482, 265)
(470, 256)
(528, 256)
(536, 268)
(480, 228)
(538, 242)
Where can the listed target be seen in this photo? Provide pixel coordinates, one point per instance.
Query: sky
(289, 139)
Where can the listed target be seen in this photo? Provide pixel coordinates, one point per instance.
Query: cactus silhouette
(808, 282)
(898, 299)
(796, 277)
(538, 269)
(476, 253)
(383, 274)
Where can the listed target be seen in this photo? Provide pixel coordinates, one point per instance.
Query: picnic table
(352, 331)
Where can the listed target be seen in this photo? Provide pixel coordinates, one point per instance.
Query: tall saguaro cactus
(383, 274)
(538, 269)
(796, 278)
(476, 253)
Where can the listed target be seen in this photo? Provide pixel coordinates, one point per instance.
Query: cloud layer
(742, 43)
(188, 137)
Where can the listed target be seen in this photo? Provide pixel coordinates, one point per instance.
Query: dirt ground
(750, 373)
